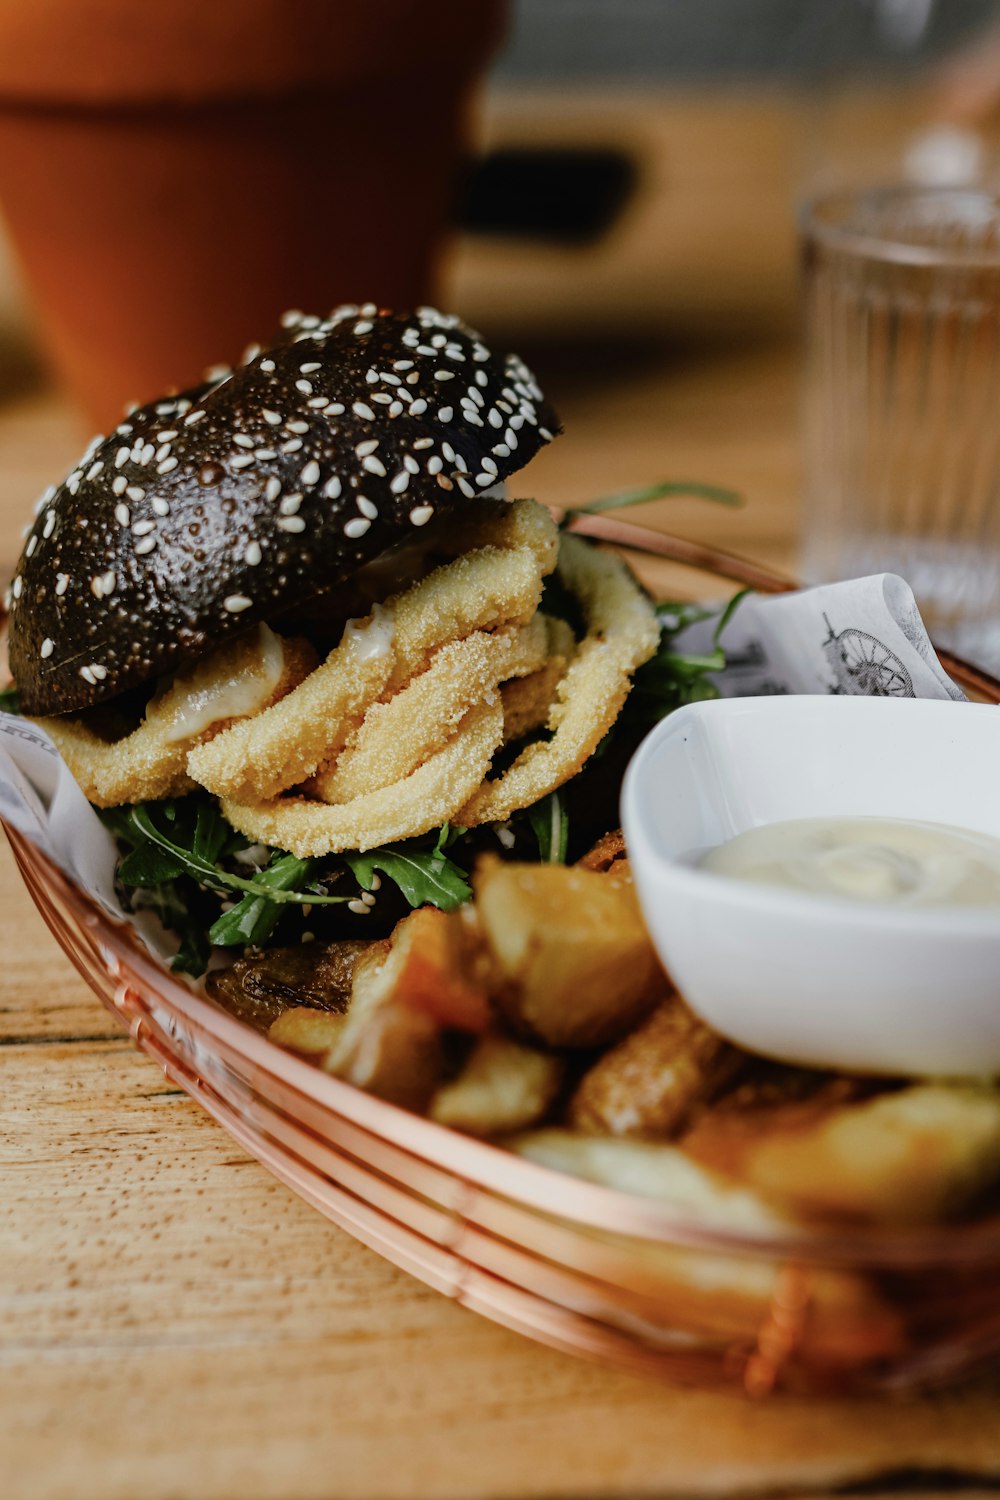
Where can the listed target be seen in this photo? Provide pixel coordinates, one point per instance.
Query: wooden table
(177, 1324)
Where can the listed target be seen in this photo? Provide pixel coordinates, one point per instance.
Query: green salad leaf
(206, 872)
(550, 825)
(425, 877)
(254, 918)
(666, 490)
(174, 854)
(674, 677)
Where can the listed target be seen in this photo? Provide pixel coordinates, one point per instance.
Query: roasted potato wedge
(432, 968)
(649, 1083)
(606, 852)
(912, 1155)
(503, 1086)
(653, 1170)
(572, 964)
(387, 1047)
(309, 1032)
(846, 1319)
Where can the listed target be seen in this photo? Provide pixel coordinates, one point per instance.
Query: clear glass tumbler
(902, 304)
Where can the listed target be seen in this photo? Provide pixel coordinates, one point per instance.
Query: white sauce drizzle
(245, 692)
(372, 638)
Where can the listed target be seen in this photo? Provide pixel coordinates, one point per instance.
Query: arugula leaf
(550, 825)
(675, 617)
(727, 614)
(118, 822)
(212, 834)
(672, 678)
(173, 870)
(666, 490)
(206, 873)
(194, 952)
(148, 865)
(172, 904)
(425, 877)
(254, 918)
(449, 834)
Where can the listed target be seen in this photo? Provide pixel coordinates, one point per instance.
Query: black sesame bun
(241, 499)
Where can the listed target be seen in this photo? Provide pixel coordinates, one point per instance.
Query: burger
(305, 654)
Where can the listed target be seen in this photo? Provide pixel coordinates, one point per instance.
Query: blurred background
(608, 186)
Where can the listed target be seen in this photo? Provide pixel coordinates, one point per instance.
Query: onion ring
(527, 700)
(397, 736)
(478, 591)
(421, 801)
(262, 756)
(507, 524)
(622, 633)
(282, 747)
(151, 762)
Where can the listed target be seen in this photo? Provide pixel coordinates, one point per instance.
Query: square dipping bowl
(822, 981)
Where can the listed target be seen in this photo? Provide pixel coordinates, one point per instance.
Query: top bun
(266, 486)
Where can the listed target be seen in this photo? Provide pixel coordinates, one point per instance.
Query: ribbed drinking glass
(902, 313)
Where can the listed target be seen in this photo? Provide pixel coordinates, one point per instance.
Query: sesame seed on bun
(262, 488)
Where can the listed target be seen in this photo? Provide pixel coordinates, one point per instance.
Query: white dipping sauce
(867, 859)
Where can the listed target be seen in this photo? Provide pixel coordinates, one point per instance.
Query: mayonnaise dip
(867, 859)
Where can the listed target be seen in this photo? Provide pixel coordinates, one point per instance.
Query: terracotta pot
(174, 178)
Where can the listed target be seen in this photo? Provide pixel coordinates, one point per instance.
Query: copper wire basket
(580, 1267)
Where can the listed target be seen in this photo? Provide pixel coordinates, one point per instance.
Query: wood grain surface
(177, 1324)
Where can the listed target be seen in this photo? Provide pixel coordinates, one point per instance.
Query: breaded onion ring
(479, 591)
(283, 746)
(622, 633)
(253, 670)
(259, 758)
(504, 523)
(397, 736)
(423, 800)
(527, 700)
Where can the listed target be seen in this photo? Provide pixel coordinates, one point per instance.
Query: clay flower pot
(175, 177)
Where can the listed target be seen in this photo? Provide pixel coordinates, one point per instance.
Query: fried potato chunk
(387, 1047)
(406, 993)
(430, 968)
(845, 1320)
(606, 852)
(309, 1032)
(653, 1170)
(913, 1155)
(572, 963)
(504, 1086)
(649, 1083)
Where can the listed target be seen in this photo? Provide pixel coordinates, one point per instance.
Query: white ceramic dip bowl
(805, 978)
